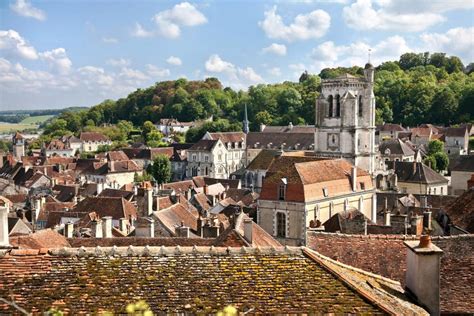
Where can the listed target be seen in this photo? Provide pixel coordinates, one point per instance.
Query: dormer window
(282, 189)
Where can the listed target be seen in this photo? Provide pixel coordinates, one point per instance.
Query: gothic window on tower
(338, 105)
(330, 101)
(360, 106)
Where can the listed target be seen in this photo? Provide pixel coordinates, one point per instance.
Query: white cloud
(420, 6)
(361, 15)
(249, 75)
(119, 62)
(236, 77)
(12, 42)
(110, 40)
(329, 54)
(24, 8)
(130, 73)
(278, 49)
(170, 21)
(154, 71)
(57, 59)
(457, 41)
(305, 26)
(275, 71)
(175, 61)
(216, 64)
(95, 75)
(139, 31)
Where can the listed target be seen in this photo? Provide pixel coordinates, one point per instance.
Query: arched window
(330, 99)
(338, 106)
(281, 224)
(360, 106)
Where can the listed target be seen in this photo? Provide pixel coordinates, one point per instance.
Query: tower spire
(370, 50)
(246, 121)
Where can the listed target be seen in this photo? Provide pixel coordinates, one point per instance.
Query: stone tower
(18, 146)
(345, 119)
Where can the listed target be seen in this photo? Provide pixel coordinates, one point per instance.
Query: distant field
(36, 119)
(6, 128)
(28, 123)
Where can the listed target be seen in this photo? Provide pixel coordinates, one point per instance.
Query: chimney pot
(69, 230)
(354, 178)
(107, 227)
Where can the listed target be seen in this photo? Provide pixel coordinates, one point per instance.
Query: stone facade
(345, 119)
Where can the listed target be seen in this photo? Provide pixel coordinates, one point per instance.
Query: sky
(56, 54)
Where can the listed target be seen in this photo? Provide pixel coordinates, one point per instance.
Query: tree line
(417, 88)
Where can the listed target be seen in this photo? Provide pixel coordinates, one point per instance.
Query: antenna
(370, 50)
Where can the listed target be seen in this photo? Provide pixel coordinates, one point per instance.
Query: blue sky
(56, 54)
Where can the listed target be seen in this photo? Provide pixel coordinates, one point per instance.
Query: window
(338, 106)
(219, 156)
(194, 157)
(325, 192)
(434, 191)
(206, 158)
(330, 99)
(442, 191)
(362, 185)
(281, 224)
(361, 106)
(282, 191)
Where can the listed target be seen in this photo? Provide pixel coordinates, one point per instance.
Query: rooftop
(192, 280)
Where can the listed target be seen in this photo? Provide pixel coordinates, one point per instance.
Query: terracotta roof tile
(93, 137)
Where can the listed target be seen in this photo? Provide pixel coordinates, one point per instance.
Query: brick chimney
(107, 227)
(422, 275)
(248, 229)
(4, 240)
(423, 201)
(96, 228)
(69, 230)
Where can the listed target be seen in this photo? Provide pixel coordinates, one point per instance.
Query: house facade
(296, 196)
(235, 143)
(208, 158)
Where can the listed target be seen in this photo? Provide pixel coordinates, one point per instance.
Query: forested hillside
(415, 89)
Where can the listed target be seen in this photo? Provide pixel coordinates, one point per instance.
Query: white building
(345, 119)
(208, 158)
(235, 143)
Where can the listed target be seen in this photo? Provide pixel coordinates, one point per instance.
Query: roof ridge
(392, 236)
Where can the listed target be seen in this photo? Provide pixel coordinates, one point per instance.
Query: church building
(345, 119)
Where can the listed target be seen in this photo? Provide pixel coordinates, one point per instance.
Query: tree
(160, 169)
(430, 161)
(442, 161)
(444, 107)
(435, 146)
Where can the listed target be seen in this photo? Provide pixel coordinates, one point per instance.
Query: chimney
(290, 126)
(4, 240)
(158, 203)
(386, 217)
(145, 227)
(123, 225)
(262, 127)
(205, 189)
(107, 227)
(416, 225)
(100, 188)
(422, 275)
(354, 178)
(69, 229)
(414, 167)
(199, 226)
(183, 231)
(423, 201)
(427, 220)
(149, 201)
(135, 190)
(96, 228)
(248, 227)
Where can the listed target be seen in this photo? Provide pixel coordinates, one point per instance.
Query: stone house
(235, 142)
(396, 150)
(456, 141)
(92, 140)
(297, 195)
(461, 173)
(388, 131)
(208, 158)
(418, 178)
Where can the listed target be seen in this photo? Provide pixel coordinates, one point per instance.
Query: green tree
(442, 161)
(160, 169)
(430, 161)
(147, 128)
(435, 146)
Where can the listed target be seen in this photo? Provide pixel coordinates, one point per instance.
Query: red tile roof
(46, 238)
(117, 207)
(228, 137)
(461, 211)
(93, 137)
(386, 255)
